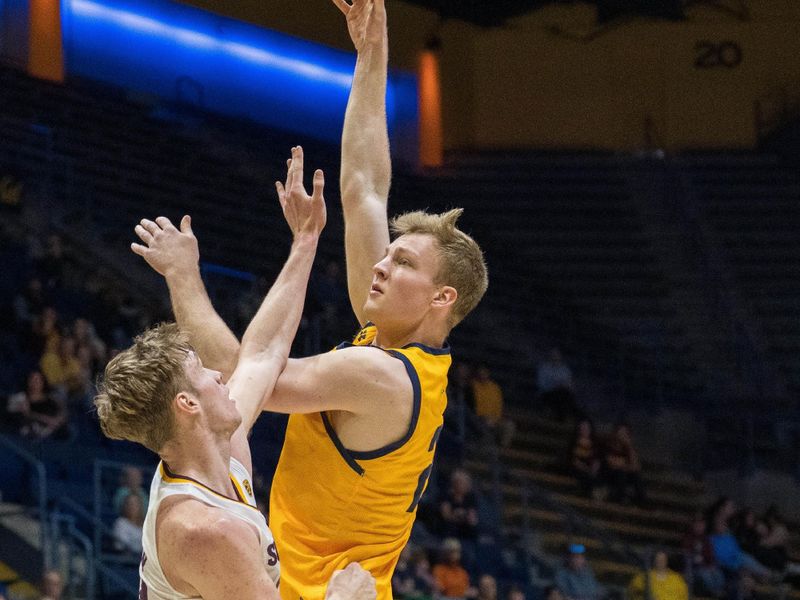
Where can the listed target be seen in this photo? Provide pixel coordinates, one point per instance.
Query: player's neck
(397, 338)
(206, 461)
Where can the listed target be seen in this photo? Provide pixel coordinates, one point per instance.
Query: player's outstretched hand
(354, 583)
(366, 21)
(306, 215)
(168, 250)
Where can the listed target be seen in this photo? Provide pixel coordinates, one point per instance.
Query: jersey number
(425, 475)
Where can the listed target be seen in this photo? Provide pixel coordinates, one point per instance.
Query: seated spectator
(556, 388)
(487, 588)
(622, 468)
(45, 332)
(488, 397)
(663, 582)
(28, 304)
(459, 508)
(746, 530)
(130, 483)
(515, 593)
(730, 557)
(460, 402)
(38, 412)
(52, 585)
(575, 579)
(773, 547)
(86, 337)
(412, 579)
(451, 578)
(62, 369)
(127, 529)
(706, 575)
(584, 457)
(551, 592)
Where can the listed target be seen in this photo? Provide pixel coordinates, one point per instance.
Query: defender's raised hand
(166, 249)
(353, 583)
(305, 214)
(366, 21)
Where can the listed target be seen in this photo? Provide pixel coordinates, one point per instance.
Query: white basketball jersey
(153, 584)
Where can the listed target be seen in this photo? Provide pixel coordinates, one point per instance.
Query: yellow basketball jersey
(331, 506)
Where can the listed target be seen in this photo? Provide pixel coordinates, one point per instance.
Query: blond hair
(463, 266)
(134, 399)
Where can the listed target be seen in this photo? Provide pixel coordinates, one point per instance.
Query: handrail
(108, 573)
(41, 473)
(76, 536)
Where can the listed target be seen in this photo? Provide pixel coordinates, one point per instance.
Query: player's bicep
(225, 562)
(352, 379)
(366, 239)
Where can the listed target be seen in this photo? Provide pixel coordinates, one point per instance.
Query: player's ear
(186, 403)
(445, 296)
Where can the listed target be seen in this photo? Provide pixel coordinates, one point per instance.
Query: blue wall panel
(179, 52)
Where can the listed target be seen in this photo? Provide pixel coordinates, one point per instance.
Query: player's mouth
(375, 289)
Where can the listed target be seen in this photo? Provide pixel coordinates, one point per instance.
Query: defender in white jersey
(166, 484)
(203, 536)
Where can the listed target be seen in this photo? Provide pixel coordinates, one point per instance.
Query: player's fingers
(319, 183)
(164, 223)
(143, 234)
(150, 226)
(138, 249)
(186, 224)
(281, 193)
(297, 167)
(342, 5)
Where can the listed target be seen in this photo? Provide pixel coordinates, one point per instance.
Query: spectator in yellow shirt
(488, 397)
(665, 584)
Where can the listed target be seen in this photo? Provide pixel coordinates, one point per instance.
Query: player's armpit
(359, 380)
(214, 556)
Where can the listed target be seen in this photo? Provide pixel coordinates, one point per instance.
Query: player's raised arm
(174, 254)
(268, 339)
(366, 166)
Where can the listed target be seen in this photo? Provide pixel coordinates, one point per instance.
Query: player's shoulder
(186, 522)
(367, 364)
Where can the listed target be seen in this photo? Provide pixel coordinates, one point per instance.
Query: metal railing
(41, 478)
(66, 536)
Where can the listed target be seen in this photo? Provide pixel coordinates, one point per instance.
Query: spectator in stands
(45, 333)
(62, 369)
(459, 508)
(127, 529)
(773, 547)
(412, 579)
(52, 585)
(623, 468)
(460, 403)
(488, 397)
(38, 413)
(28, 304)
(328, 294)
(52, 262)
(663, 582)
(730, 557)
(746, 530)
(130, 483)
(551, 592)
(584, 457)
(556, 387)
(487, 588)
(575, 579)
(86, 337)
(451, 578)
(701, 564)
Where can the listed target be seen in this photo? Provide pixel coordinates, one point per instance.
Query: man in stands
(203, 535)
(365, 418)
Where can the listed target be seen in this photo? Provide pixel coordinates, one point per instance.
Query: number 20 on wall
(715, 55)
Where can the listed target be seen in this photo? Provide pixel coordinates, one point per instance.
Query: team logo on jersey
(247, 487)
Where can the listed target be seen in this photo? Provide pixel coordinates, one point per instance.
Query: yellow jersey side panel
(331, 506)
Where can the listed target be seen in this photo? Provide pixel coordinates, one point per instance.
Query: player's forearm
(366, 164)
(274, 326)
(214, 342)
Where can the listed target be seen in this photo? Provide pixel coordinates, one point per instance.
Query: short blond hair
(134, 399)
(463, 266)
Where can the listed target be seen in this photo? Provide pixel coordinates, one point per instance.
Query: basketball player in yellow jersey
(365, 418)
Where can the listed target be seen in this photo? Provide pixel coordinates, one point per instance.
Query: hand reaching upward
(366, 21)
(305, 214)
